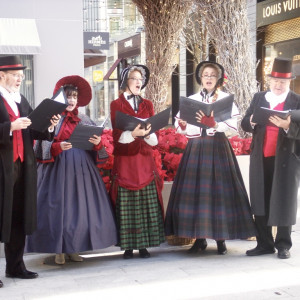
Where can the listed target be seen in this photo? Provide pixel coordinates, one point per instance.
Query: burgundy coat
(138, 146)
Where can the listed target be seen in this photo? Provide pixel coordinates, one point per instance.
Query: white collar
(274, 100)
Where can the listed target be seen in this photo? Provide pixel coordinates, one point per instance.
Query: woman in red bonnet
(74, 210)
(136, 185)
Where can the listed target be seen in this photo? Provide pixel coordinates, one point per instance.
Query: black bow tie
(130, 96)
(135, 101)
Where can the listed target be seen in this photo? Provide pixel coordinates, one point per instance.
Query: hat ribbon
(11, 66)
(284, 75)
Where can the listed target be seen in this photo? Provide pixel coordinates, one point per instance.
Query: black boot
(199, 244)
(128, 254)
(221, 247)
(144, 253)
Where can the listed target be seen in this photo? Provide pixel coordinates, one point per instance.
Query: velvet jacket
(138, 149)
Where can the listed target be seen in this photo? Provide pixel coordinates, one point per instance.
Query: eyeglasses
(137, 79)
(209, 76)
(281, 82)
(16, 75)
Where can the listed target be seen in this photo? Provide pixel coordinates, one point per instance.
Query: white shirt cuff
(126, 137)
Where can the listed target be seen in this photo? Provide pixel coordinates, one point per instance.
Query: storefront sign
(130, 46)
(97, 76)
(274, 11)
(96, 40)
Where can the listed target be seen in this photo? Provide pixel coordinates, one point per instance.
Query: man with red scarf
(274, 163)
(17, 167)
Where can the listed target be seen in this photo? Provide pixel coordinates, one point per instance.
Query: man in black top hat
(17, 167)
(274, 163)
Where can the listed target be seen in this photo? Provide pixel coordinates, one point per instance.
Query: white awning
(19, 36)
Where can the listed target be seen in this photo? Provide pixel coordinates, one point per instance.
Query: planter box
(244, 162)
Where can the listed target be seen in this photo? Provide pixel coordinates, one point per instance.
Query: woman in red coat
(136, 186)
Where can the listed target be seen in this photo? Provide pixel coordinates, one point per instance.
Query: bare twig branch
(163, 22)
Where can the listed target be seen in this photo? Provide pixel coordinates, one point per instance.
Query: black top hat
(282, 68)
(83, 87)
(11, 63)
(124, 75)
(205, 63)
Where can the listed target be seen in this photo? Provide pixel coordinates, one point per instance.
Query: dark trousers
(14, 249)
(265, 238)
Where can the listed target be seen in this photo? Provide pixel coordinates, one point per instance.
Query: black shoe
(1, 284)
(284, 253)
(221, 247)
(144, 253)
(259, 251)
(128, 254)
(199, 244)
(24, 274)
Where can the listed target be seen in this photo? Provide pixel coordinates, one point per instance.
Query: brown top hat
(11, 63)
(83, 87)
(282, 68)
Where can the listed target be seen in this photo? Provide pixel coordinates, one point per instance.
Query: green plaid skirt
(139, 218)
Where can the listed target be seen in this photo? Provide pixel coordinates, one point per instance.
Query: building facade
(48, 37)
(278, 35)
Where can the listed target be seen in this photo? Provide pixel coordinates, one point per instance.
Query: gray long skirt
(74, 211)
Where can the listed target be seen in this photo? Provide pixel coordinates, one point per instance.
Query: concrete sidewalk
(170, 273)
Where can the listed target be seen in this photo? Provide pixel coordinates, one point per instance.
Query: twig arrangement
(228, 27)
(163, 23)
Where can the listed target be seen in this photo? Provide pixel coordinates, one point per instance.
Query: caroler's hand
(251, 123)
(20, 123)
(65, 146)
(182, 123)
(138, 131)
(285, 124)
(207, 121)
(95, 139)
(54, 121)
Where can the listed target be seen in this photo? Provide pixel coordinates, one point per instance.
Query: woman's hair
(213, 66)
(132, 69)
(70, 90)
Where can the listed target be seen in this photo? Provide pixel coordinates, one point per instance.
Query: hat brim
(269, 75)
(208, 62)
(83, 87)
(13, 68)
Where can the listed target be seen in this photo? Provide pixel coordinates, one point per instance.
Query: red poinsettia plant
(240, 146)
(167, 154)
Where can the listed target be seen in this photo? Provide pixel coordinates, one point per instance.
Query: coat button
(283, 165)
(284, 148)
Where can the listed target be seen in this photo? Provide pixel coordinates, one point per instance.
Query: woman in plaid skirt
(136, 186)
(208, 197)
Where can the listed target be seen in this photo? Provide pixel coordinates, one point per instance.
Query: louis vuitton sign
(274, 11)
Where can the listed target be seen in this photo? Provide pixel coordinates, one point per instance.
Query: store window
(114, 4)
(96, 108)
(114, 25)
(286, 49)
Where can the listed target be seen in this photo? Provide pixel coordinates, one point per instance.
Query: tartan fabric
(208, 198)
(139, 218)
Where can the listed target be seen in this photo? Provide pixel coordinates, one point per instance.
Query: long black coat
(6, 171)
(283, 202)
